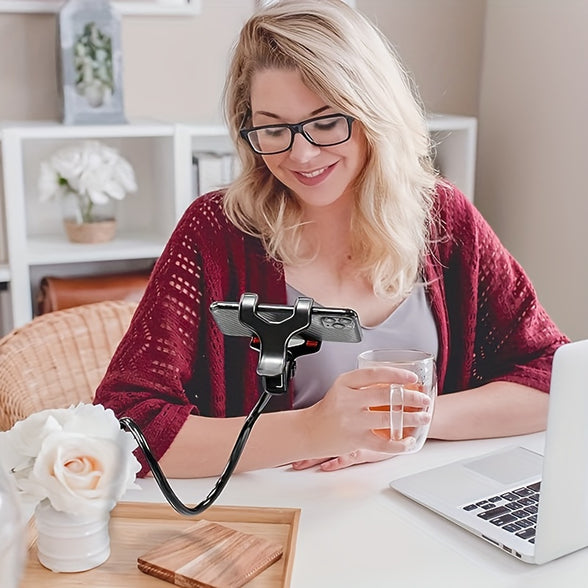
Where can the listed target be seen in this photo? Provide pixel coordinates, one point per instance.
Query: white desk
(355, 531)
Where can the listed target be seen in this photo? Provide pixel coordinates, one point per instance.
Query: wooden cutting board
(210, 555)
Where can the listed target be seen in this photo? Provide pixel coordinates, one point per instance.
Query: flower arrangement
(93, 66)
(78, 458)
(93, 172)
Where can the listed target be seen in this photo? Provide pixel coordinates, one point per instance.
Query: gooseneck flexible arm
(279, 344)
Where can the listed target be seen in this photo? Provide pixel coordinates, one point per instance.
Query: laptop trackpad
(508, 467)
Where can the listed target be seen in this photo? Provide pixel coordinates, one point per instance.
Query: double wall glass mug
(423, 365)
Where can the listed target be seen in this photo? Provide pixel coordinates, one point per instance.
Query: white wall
(440, 42)
(175, 67)
(532, 152)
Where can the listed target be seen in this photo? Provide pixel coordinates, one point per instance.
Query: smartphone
(326, 324)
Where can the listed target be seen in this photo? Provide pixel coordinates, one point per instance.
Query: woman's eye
(325, 125)
(274, 132)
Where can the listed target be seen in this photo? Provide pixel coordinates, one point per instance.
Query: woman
(338, 201)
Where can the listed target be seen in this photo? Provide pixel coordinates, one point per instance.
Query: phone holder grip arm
(275, 341)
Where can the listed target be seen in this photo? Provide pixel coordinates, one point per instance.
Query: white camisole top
(410, 326)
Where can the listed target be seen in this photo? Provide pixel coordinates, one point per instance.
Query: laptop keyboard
(514, 511)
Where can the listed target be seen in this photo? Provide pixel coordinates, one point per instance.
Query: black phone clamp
(279, 343)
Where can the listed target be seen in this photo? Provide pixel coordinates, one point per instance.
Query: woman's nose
(303, 150)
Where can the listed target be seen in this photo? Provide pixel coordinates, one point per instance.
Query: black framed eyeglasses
(322, 131)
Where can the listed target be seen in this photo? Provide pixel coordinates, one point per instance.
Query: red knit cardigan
(174, 361)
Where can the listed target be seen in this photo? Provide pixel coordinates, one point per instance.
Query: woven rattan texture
(58, 359)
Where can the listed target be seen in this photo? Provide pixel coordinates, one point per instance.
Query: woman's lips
(314, 177)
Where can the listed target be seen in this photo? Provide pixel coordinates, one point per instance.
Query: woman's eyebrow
(272, 115)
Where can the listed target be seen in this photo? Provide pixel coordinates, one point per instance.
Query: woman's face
(318, 176)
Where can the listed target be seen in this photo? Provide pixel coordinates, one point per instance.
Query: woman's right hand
(342, 421)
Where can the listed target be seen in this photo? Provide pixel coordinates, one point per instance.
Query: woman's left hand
(330, 464)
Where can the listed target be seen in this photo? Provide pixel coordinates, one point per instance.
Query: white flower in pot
(77, 458)
(92, 175)
(72, 465)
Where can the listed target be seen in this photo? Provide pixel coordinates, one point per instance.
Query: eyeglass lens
(322, 132)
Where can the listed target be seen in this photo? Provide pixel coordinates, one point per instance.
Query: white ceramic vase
(71, 542)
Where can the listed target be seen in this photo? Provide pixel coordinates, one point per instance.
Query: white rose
(92, 169)
(79, 458)
(20, 445)
(122, 174)
(77, 473)
(48, 184)
(68, 164)
(93, 182)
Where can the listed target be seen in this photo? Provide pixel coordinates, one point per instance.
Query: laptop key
(520, 514)
(523, 491)
(535, 487)
(484, 504)
(503, 520)
(526, 534)
(469, 507)
(525, 502)
(512, 528)
(495, 512)
(487, 506)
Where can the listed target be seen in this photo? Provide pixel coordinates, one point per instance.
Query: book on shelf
(212, 170)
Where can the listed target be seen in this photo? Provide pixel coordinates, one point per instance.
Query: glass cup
(423, 365)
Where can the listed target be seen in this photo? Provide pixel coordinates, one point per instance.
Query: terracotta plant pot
(96, 232)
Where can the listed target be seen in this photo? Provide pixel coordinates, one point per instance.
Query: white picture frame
(90, 63)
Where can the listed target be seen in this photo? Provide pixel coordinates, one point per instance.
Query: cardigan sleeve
(498, 329)
(172, 361)
(151, 377)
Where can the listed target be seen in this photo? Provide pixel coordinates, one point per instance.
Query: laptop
(532, 506)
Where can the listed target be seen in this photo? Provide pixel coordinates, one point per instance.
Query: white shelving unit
(456, 137)
(32, 239)
(34, 230)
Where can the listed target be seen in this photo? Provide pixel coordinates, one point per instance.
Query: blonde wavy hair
(349, 63)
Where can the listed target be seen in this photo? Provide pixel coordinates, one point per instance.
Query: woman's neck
(328, 230)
